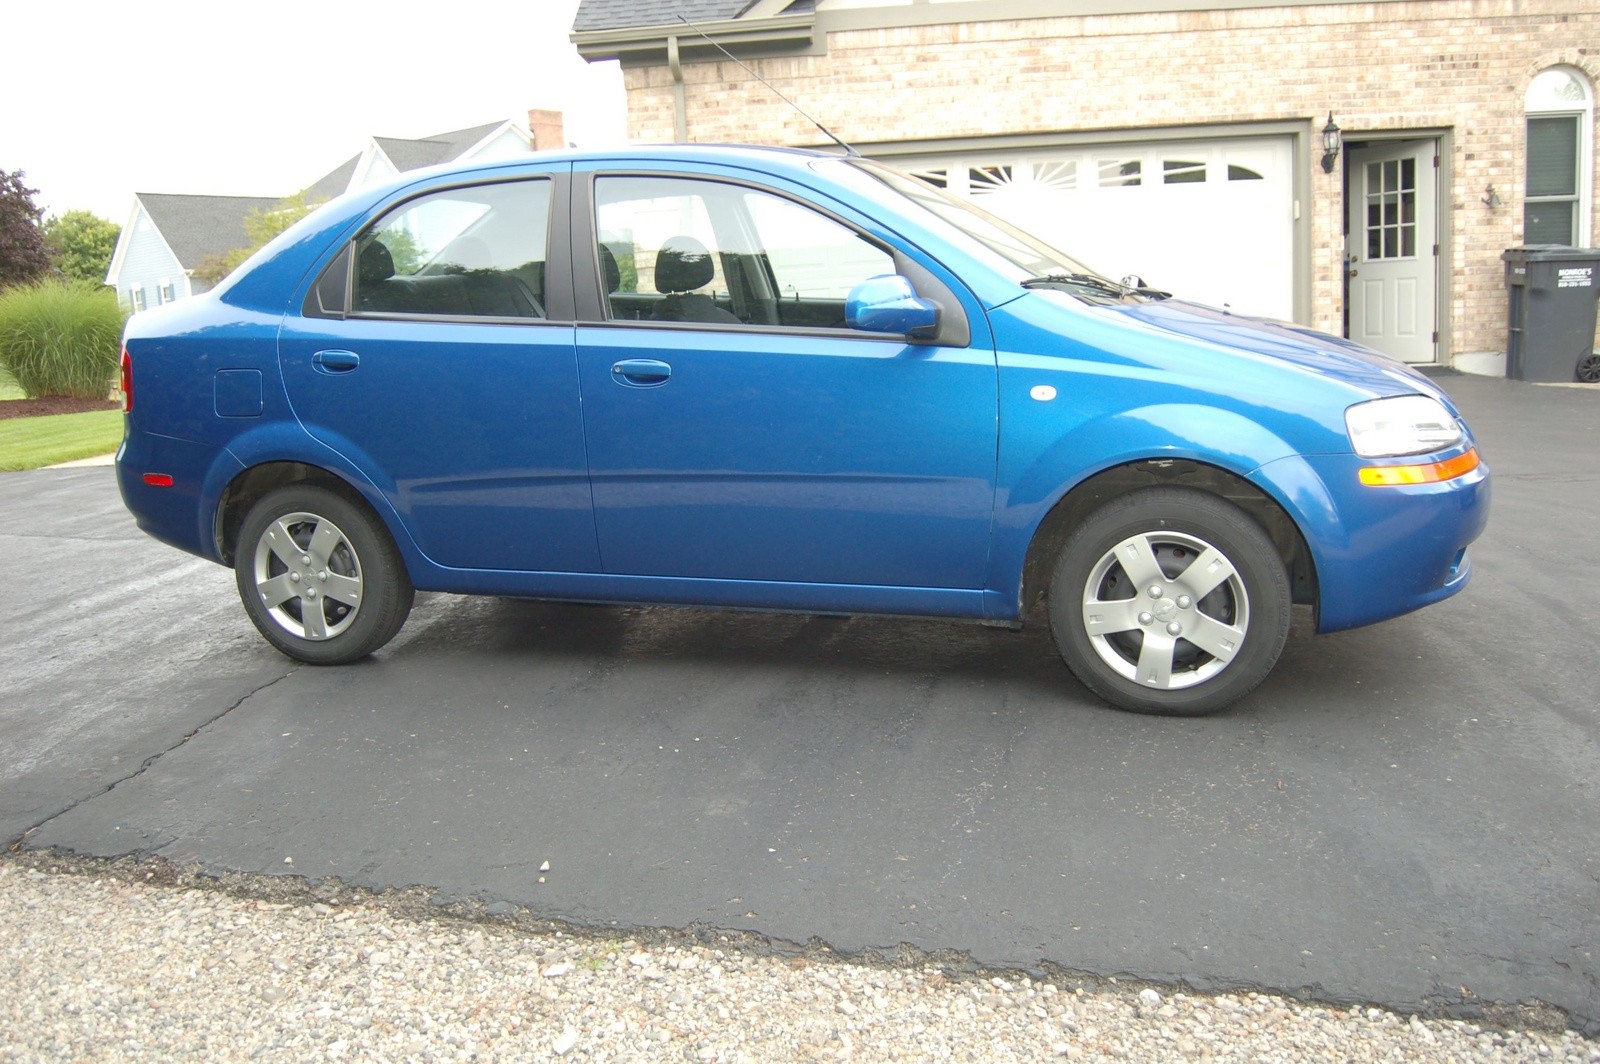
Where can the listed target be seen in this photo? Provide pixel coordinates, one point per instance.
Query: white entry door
(1392, 255)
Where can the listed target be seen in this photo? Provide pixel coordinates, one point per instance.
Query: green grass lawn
(31, 442)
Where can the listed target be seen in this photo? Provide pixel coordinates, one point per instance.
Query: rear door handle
(336, 361)
(641, 372)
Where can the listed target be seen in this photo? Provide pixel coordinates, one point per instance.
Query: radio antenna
(743, 66)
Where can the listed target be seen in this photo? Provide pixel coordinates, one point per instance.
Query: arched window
(1560, 110)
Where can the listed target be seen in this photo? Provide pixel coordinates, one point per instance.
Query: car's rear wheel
(320, 576)
(1170, 600)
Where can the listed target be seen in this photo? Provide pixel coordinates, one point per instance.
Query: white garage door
(1210, 221)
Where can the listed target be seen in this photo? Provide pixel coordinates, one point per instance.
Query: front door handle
(336, 361)
(641, 372)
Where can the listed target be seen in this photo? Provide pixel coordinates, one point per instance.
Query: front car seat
(683, 265)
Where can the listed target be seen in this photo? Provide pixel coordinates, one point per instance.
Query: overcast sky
(258, 98)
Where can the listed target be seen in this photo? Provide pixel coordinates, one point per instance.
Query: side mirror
(889, 304)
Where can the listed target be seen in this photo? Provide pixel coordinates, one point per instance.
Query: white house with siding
(168, 235)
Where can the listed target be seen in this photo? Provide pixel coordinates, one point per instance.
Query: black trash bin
(1553, 290)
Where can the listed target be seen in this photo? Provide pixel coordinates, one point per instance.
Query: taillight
(126, 383)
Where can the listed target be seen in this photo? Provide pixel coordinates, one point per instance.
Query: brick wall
(1461, 65)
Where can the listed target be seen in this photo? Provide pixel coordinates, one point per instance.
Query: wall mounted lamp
(1332, 138)
(1492, 200)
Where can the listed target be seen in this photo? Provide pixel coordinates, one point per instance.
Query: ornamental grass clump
(61, 338)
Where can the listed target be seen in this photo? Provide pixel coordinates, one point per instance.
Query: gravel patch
(129, 961)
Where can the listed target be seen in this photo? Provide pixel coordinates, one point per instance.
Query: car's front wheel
(319, 576)
(1170, 600)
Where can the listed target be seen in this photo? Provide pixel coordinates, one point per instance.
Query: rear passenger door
(437, 354)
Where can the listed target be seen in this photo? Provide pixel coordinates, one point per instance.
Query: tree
(259, 226)
(23, 256)
(81, 243)
(408, 254)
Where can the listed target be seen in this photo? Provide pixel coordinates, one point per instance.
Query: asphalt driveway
(1405, 814)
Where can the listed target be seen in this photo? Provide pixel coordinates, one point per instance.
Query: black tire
(1588, 369)
(336, 592)
(1216, 571)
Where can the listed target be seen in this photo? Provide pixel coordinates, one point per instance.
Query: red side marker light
(158, 480)
(126, 382)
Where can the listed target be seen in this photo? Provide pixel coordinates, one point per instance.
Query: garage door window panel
(1182, 172)
(1121, 173)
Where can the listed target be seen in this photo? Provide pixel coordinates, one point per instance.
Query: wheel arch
(244, 490)
(1113, 483)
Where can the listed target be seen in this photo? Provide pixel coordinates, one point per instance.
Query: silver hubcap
(308, 576)
(1165, 610)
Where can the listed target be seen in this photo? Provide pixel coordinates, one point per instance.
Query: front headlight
(1401, 424)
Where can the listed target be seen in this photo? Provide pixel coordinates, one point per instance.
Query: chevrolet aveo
(782, 380)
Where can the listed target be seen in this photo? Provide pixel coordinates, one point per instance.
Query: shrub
(61, 338)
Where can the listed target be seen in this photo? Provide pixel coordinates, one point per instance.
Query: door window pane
(475, 252)
(1391, 195)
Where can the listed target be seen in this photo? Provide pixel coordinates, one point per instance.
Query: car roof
(772, 159)
(695, 151)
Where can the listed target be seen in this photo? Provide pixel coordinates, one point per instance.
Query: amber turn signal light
(1431, 473)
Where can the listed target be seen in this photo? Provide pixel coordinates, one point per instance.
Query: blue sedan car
(773, 379)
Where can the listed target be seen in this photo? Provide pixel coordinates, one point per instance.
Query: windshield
(1002, 245)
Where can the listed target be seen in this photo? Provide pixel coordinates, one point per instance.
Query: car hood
(1345, 360)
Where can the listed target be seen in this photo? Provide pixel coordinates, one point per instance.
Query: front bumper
(1380, 551)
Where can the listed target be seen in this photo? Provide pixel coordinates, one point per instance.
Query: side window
(474, 252)
(812, 257)
(1560, 114)
(681, 250)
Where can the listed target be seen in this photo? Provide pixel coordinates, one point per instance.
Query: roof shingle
(620, 14)
(439, 148)
(198, 226)
(333, 183)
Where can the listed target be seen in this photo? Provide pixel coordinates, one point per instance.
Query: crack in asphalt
(15, 845)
